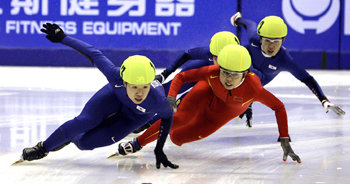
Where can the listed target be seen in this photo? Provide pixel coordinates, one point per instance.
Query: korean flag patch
(140, 108)
(272, 67)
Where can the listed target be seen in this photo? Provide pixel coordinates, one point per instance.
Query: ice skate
(35, 153)
(127, 148)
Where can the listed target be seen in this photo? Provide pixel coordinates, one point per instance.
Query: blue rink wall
(71, 58)
(318, 31)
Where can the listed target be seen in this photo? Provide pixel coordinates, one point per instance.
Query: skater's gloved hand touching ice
(249, 115)
(327, 105)
(161, 158)
(288, 151)
(172, 102)
(54, 32)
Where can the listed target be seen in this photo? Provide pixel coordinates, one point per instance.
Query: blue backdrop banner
(117, 24)
(162, 29)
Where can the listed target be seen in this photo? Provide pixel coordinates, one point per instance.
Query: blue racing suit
(110, 115)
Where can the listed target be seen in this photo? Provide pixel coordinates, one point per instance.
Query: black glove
(54, 32)
(162, 159)
(160, 78)
(172, 102)
(249, 115)
(288, 151)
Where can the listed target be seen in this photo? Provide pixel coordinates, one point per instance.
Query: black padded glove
(288, 151)
(249, 115)
(161, 158)
(54, 32)
(160, 78)
(172, 102)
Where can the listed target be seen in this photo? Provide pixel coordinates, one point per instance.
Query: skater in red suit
(223, 92)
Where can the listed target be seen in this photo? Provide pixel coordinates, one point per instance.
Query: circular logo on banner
(317, 15)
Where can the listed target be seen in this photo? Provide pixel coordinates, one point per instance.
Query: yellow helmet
(234, 58)
(137, 70)
(220, 40)
(272, 27)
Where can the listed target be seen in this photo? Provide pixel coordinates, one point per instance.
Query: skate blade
(113, 155)
(17, 162)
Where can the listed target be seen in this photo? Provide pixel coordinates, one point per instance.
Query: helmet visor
(270, 41)
(233, 74)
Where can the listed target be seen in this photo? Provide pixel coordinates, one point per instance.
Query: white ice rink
(35, 101)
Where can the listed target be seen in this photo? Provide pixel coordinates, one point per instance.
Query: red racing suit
(209, 105)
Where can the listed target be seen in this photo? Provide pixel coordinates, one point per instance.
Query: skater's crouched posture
(223, 92)
(128, 101)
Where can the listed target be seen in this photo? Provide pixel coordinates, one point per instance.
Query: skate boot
(35, 153)
(129, 147)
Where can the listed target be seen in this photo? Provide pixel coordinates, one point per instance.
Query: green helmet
(272, 27)
(234, 58)
(137, 70)
(220, 40)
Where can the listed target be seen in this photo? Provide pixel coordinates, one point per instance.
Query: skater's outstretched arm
(55, 34)
(302, 75)
(249, 25)
(166, 114)
(275, 104)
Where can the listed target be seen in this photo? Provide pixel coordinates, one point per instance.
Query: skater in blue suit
(269, 57)
(131, 98)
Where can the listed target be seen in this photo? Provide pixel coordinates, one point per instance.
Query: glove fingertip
(43, 30)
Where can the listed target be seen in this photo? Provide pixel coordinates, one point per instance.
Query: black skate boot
(129, 147)
(35, 153)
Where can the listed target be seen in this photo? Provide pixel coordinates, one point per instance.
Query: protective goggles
(233, 74)
(272, 41)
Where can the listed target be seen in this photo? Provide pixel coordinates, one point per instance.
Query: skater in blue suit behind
(269, 57)
(130, 99)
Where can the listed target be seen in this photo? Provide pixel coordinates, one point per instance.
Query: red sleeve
(275, 104)
(191, 76)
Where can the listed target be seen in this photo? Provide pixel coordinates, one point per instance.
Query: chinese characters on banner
(99, 26)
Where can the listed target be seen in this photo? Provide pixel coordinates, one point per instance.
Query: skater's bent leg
(109, 132)
(99, 107)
